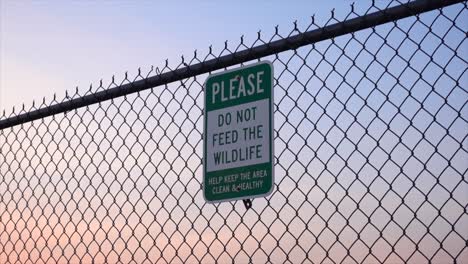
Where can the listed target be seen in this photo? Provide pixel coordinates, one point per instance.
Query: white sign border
(272, 131)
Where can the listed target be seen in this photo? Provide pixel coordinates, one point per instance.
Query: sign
(238, 137)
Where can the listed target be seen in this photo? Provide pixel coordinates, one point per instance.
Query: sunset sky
(48, 47)
(369, 136)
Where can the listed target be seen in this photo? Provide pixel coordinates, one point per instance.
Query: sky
(48, 47)
(116, 173)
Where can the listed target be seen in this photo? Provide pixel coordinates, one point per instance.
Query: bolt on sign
(238, 137)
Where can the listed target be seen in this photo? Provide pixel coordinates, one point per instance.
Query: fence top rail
(256, 52)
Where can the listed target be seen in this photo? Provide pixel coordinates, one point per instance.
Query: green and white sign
(238, 137)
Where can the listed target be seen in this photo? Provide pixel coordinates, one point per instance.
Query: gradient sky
(48, 47)
(84, 174)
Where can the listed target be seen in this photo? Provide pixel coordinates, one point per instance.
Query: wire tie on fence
(247, 203)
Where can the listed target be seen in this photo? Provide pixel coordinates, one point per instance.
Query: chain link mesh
(371, 158)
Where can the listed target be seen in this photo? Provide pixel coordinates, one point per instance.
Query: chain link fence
(371, 154)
